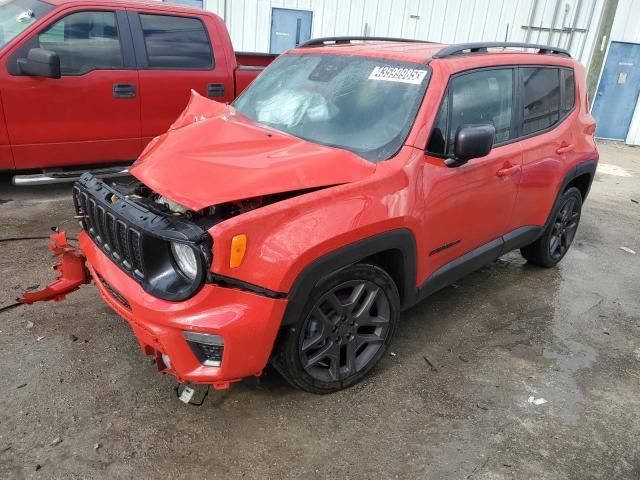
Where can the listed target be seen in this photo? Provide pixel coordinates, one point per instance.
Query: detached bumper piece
(71, 268)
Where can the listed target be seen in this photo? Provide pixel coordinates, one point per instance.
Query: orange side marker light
(238, 249)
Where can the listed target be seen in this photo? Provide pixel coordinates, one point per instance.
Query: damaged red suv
(353, 178)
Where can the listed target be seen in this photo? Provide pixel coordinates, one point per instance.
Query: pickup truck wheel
(554, 243)
(346, 327)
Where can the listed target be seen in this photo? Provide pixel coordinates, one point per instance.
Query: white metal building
(563, 23)
(275, 25)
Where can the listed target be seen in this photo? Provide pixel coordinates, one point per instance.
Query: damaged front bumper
(199, 331)
(247, 322)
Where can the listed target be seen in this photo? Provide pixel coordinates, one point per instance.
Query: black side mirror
(40, 63)
(471, 141)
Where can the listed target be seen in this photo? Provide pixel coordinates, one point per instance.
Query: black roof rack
(319, 42)
(481, 47)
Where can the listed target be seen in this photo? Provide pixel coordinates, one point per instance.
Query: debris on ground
(40, 338)
(431, 365)
(536, 401)
(193, 394)
(392, 354)
(628, 250)
(482, 406)
(73, 338)
(38, 467)
(606, 332)
(56, 441)
(29, 324)
(634, 200)
(22, 385)
(96, 446)
(464, 359)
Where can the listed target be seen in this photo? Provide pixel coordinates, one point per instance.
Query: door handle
(124, 90)
(565, 148)
(215, 90)
(504, 172)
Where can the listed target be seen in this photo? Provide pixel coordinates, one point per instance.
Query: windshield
(17, 15)
(365, 105)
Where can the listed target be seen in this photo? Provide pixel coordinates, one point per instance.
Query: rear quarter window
(569, 99)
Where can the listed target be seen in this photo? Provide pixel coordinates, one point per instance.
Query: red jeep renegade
(353, 178)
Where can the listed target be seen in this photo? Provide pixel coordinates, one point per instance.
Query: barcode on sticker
(398, 74)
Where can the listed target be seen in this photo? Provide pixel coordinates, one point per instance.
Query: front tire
(346, 327)
(554, 243)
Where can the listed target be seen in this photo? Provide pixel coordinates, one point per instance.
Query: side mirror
(471, 141)
(40, 63)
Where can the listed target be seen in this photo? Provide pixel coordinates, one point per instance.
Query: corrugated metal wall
(626, 28)
(448, 21)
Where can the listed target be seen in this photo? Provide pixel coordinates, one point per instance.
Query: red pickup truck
(92, 82)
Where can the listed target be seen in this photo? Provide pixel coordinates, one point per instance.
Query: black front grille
(136, 236)
(114, 235)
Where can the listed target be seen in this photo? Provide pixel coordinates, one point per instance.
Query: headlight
(185, 257)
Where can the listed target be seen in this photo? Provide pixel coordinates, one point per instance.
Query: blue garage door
(289, 28)
(617, 93)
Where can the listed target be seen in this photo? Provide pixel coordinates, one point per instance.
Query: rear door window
(176, 43)
(541, 102)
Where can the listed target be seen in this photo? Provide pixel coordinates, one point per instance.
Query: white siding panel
(447, 21)
(626, 26)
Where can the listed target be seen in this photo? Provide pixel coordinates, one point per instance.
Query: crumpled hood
(213, 154)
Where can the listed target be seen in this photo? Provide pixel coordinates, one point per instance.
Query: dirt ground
(500, 340)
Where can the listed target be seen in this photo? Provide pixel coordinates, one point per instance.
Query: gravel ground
(507, 334)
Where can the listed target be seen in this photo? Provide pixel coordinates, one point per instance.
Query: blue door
(289, 28)
(617, 93)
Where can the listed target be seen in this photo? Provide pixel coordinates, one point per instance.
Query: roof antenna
(506, 34)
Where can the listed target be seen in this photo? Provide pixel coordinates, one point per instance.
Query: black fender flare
(588, 166)
(401, 239)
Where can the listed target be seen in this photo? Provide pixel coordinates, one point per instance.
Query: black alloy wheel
(564, 228)
(557, 237)
(344, 330)
(346, 326)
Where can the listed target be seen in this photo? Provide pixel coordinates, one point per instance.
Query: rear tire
(555, 241)
(346, 327)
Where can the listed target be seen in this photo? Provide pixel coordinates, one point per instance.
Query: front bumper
(248, 322)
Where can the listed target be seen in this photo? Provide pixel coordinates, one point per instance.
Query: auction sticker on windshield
(398, 74)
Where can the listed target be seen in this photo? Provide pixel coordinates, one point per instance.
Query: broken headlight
(175, 270)
(186, 259)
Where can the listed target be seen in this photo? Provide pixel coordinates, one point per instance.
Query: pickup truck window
(364, 105)
(17, 15)
(84, 41)
(176, 43)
